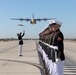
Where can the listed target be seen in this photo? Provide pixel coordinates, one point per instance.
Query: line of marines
(51, 48)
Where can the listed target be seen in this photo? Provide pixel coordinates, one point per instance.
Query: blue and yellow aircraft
(33, 20)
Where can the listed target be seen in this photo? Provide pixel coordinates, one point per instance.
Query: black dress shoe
(20, 55)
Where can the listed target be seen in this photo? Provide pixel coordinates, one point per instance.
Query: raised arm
(23, 33)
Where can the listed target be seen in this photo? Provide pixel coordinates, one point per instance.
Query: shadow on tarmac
(25, 62)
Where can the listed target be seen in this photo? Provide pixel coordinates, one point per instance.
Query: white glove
(57, 60)
(23, 31)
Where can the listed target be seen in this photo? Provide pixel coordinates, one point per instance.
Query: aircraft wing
(39, 19)
(21, 19)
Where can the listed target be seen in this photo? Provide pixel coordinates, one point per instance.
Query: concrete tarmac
(12, 64)
(70, 57)
(29, 63)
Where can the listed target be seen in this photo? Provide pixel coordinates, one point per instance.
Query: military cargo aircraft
(33, 20)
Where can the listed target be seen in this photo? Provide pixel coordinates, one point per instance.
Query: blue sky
(63, 10)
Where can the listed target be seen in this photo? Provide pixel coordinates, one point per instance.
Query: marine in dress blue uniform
(58, 47)
(20, 35)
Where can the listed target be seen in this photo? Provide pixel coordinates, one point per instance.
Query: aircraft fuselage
(33, 21)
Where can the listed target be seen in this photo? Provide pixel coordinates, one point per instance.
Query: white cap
(55, 21)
